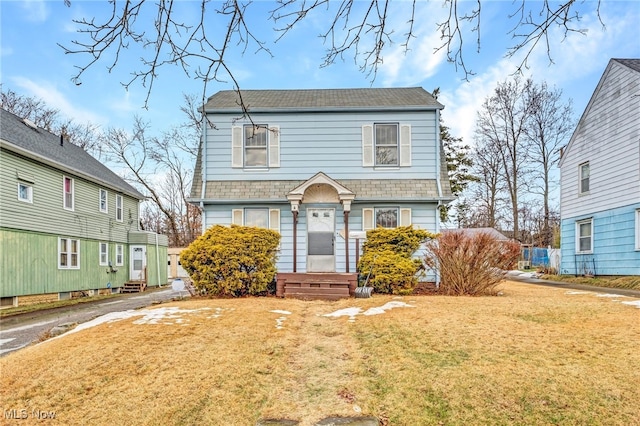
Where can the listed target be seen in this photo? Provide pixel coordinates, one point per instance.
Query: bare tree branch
(361, 29)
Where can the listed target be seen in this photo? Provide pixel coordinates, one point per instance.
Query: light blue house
(321, 167)
(600, 179)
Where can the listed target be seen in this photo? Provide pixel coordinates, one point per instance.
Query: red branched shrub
(470, 265)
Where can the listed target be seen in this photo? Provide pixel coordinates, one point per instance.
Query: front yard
(533, 355)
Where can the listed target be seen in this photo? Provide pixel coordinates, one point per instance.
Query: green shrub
(232, 261)
(470, 265)
(387, 257)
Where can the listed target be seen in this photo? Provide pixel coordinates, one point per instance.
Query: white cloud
(56, 99)
(420, 62)
(577, 60)
(36, 10)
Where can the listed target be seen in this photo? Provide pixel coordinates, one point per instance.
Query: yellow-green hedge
(232, 261)
(387, 259)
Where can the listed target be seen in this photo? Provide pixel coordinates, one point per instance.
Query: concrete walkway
(530, 278)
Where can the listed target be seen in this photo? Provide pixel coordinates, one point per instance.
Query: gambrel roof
(405, 99)
(22, 137)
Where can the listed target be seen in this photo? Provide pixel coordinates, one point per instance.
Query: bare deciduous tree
(163, 173)
(550, 126)
(362, 29)
(50, 119)
(500, 130)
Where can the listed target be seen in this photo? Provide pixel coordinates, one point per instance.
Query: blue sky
(32, 64)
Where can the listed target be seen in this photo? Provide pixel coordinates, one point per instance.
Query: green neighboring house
(69, 226)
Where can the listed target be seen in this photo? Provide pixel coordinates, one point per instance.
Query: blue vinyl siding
(614, 250)
(327, 142)
(423, 216)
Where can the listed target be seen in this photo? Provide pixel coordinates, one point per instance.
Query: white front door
(321, 227)
(138, 262)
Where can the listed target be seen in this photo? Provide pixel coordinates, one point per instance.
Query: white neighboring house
(600, 179)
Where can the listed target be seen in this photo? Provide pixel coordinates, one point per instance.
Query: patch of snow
(278, 311)
(280, 322)
(578, 292)
(635, 303)
(385, 307)
(615, 296)
(353, 312)
(149, 316)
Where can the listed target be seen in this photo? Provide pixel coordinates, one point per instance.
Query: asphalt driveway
(18, 331)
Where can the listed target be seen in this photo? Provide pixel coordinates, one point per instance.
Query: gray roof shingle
(634, 64)
(365, 189)
(44, 146)
(409, 98)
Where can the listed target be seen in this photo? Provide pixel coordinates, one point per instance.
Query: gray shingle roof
(365, 189)
(44, 146)
(634, 64)
(409, 98)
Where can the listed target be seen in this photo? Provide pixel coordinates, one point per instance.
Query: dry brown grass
(534, 355)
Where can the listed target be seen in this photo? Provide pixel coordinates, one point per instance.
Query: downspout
(438, 170)
(203, 170)
(158, 261)
(438, 183)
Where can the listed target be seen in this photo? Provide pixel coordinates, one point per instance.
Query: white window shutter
(405, 145)
(236, 146)
(405, 217)
(368, 221)
(274, 219)
(274, 146)
(367, 145)
(237, 217)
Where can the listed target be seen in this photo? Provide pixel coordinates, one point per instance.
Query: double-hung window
(104, 202)
(68, 253)
(119, 255)
(119, 207)
(385, 217)
(25, 192)
(67, 189)
(257, 216)
(386, 145)
(584, 236)
(255, 146)
(584, 177)
(104, 254)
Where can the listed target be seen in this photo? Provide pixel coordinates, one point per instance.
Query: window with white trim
(255, 146)
(638, 229)
(386, 145)
(25, 192)
(119, 255)
(261, 217)
(104, 201)
(104, 254)
(68, 253)
(584, 236)
(119, 213)
(584, 177)
(385, 217)
(67, 190)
